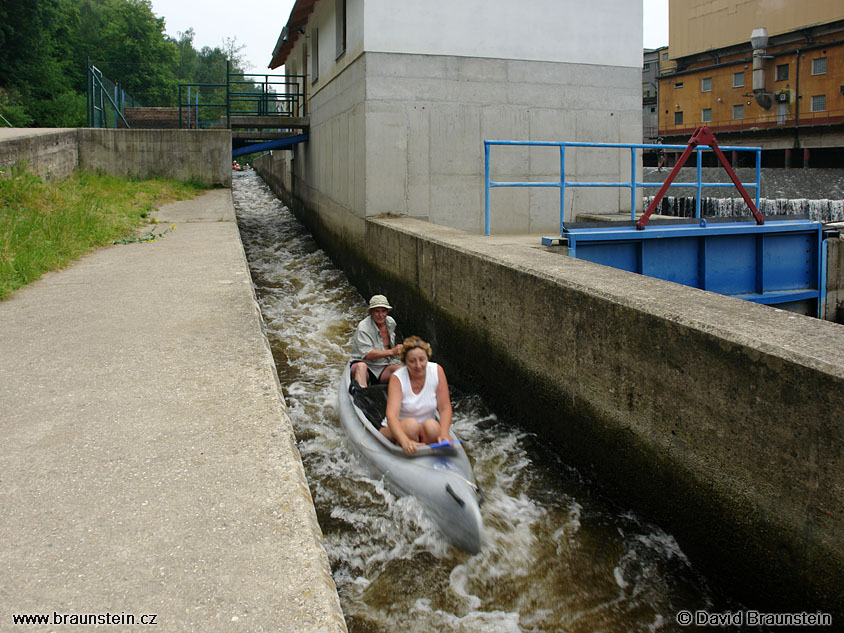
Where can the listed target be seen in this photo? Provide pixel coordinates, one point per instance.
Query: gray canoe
(440, 478)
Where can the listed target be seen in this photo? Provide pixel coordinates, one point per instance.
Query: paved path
(147, 463)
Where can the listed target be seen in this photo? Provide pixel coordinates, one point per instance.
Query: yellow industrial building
(757, 73)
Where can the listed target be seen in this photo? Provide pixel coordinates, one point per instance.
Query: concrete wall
(422, 85)
(200, 155)
(404, 134)
(718, 418)
(834, 308)
(606, 33)
(47, 153)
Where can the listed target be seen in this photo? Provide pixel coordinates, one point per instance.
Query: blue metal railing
(632, 184)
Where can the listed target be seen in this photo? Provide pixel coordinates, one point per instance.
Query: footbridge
(263, 111)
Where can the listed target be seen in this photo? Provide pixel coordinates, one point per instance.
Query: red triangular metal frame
(701, 136)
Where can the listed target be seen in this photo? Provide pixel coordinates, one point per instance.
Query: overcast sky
(256, 24)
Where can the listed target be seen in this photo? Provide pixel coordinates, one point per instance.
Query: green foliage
(129, 45)
(45, 226)
(13, 110)
(45, 44)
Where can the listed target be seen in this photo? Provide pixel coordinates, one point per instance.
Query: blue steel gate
(779, 262)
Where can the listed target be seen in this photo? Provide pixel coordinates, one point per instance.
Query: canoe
(440, 477)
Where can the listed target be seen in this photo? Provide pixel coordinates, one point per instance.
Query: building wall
(650, 91)
(606, 33)
(696, 26)
(332, 165)
(427, 118)
(402, 130)
(682, 91)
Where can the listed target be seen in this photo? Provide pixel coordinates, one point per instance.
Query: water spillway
(557, 557)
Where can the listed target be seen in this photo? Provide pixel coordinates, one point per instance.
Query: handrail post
(88, 91)
(486, 188)
(758, 175)
(228, 98)
(633, 183)
(562, 186)
(699, 182)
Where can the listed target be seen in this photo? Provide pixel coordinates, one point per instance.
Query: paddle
(446, 443)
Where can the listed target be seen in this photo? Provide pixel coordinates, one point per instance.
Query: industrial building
(757, 73)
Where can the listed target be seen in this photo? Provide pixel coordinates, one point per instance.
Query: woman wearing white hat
(375, 354)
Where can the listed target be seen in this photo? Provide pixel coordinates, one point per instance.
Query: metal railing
(243, 94)
(564, 183)
(106, 100)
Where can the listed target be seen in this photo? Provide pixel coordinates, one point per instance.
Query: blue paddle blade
(444, 444)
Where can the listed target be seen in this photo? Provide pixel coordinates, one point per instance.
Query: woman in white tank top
(418, 405)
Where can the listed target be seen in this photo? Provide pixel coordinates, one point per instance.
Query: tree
(129, 45)
(44, 45)
(35, 69)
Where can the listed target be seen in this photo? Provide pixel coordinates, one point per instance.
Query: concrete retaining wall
(834, 308)
(200, 155)
(718, 418)
(47, 153)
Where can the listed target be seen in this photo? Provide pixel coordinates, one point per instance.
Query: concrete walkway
(147, 465)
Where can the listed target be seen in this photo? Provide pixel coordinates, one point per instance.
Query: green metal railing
(106, 100)
(243, 94)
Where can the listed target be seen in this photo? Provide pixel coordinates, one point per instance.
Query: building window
(738, 80)
(782, 72)
(706, 84)
(314, 55)
(340, 11)
(738, 112)
(678, 118)
(819, 103)
(819, 66)
(653, 110)
(665, 57)
(706, 115)
(679, 84)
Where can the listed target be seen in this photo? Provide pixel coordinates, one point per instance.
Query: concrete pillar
(805, 157)
(787, 158)
(734, 159)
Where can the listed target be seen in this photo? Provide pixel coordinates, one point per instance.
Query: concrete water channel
(718, 418)
(558, 556)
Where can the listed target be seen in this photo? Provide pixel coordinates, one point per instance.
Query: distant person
(375, 354)
(418, 404)
(660, 155)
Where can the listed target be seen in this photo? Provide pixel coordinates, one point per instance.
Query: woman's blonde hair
(412, 342)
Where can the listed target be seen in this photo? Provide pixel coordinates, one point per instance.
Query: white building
(402, 95)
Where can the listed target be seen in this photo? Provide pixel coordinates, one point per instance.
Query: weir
(718, 417)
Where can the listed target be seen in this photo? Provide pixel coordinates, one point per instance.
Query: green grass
(46, 225)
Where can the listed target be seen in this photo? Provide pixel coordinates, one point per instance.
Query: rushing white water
(556, 557)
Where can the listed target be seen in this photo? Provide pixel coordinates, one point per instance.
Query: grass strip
(46, 225)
